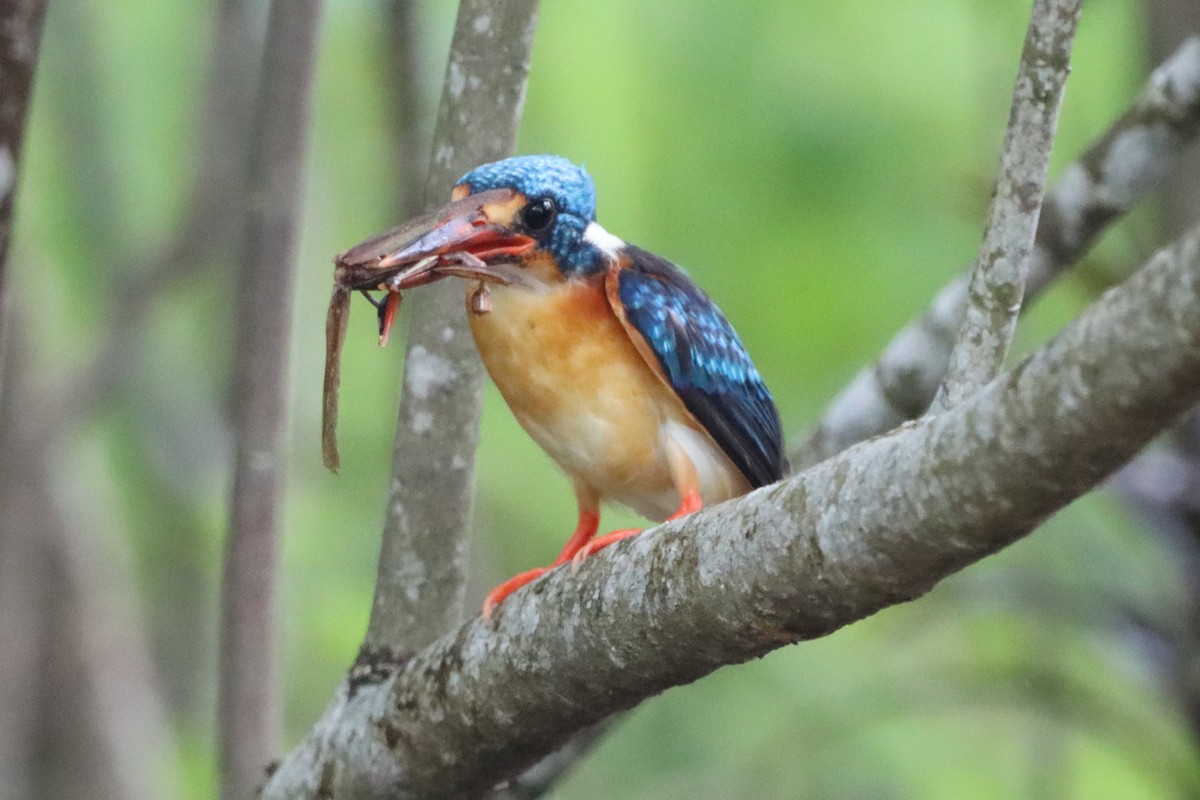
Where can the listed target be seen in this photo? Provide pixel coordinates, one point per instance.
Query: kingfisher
(612, 360)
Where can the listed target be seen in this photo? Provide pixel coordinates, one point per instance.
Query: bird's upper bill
(473, 236)
(503, 217)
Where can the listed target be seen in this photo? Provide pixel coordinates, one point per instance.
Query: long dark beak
(459, 238)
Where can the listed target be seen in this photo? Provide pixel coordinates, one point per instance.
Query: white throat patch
(604, 241)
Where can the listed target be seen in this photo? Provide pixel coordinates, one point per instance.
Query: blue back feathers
(705, 363)
(572, 191)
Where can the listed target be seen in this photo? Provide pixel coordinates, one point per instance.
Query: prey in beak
(470, 237)
(467, 237)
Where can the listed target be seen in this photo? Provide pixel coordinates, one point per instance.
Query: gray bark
(402, 57)
(419, 590)
(250, 717)
(997, 286)
(20, 36)
(1170, 21)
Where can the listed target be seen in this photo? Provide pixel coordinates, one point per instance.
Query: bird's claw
(596, 545)
(496, 596)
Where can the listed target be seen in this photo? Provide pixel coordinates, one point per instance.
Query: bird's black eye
(538, 214)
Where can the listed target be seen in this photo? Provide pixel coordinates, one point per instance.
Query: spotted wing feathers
(702, 358)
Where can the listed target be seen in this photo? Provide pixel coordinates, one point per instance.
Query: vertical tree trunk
(250, 717)
(20, 38)
(422, 563)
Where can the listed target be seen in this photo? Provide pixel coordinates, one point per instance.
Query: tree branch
(25, 551)
(535, 781)
(20, 37)
(1093, 192)
(877, 525)
(249, 713)
(419, 590)
(997, 285)
(402, 57)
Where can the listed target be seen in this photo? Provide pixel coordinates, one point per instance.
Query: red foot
(598, 544)
(589, 521)
(580, 546)
(496, 596)
(690, 503)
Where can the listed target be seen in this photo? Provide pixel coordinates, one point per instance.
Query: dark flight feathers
(705, 363)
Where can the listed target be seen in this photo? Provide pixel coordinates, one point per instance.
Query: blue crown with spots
(540, 176)
(549, 176)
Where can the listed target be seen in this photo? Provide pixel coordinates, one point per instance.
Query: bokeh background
(820, 168)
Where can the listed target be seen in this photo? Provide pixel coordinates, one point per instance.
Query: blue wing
(704, 361)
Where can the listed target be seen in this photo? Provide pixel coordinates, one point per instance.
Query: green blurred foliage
(822, 169)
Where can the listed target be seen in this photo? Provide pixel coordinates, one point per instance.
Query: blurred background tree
(821, 169)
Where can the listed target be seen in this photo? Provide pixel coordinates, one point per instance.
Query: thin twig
(1168, 23)
(403, 59)
(81, 108)
(216, 202)
(1092, 193)
(419, 590)
(20, 38)
(25, 538)
(997, 285)
(249, 712)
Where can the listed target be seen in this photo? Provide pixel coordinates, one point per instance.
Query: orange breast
(577, 385)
